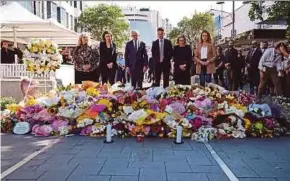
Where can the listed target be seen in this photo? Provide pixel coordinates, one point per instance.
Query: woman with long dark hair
(205, 55)
(85, 61)
(108, 58)
(182, 58)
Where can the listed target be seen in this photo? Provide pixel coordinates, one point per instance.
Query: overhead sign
(233, 33)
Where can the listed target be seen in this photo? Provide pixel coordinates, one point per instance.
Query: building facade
(64, 12)
(167, 26)
(145, 21)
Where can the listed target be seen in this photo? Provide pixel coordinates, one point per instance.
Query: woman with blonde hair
(86, 61)
(205, 55)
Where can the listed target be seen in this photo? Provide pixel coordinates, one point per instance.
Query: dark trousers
(121, 75)
(204, 78)
(86, 76)
(270, 73)
(182, 77)
(162, 68)
(233, 79)
(136, 77)
(108, 75)
(254, 77)
(286, 86)
(219, 77)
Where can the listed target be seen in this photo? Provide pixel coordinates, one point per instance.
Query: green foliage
(173, 34)
(5, 101)
(97, 19)
(192, 27)
(276, 11)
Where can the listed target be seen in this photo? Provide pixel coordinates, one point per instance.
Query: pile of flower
(42, 57)
(204, 113)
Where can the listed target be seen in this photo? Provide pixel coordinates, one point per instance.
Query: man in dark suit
(252, 62)
(7, 55)
(162, 54)
(136, 59)
(233, 67)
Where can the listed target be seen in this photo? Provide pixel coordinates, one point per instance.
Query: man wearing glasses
(136, 59)
(270, 67)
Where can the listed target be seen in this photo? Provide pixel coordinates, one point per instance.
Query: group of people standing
(228, 68)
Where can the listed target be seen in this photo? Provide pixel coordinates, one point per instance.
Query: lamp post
(221, 16)
(233, 29)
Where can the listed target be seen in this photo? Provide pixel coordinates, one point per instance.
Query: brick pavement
(79, 158)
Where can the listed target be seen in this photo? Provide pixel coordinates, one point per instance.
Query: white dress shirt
(203, 53)
(271, 59)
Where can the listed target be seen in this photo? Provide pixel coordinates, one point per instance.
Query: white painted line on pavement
(221, 163)
(27, 159)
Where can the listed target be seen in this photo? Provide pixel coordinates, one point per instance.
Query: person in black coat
(182, 58)
(232, 65)
(252, 62)
(7, 55)
(136, 59)
(219, 67)
(108, 59)
(162, 54)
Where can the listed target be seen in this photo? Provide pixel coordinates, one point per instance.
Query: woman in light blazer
(205, 55)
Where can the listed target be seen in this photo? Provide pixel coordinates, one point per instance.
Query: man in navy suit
(162, 54)
(136, 59)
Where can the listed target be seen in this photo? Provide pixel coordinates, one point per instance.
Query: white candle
(178, 134)
(109, 133)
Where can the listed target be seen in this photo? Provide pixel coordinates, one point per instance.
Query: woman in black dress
(86, 61)
(108, 58)
(182, 57)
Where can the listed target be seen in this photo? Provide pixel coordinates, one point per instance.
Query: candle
(109, 133)
(178, 134)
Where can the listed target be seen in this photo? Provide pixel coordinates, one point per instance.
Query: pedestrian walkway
(79, 158)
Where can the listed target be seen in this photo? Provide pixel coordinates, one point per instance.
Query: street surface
(78, 158)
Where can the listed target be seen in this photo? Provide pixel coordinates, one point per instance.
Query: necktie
(161, 50)
(135, 45)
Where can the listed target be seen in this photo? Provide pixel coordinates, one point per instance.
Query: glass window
(81, 5)
(58, 15)
(48, 9)
(71, 3)
(71, 22)
(53, 10)
(75, 4)
(75, 27)
(63, 16)
(42, 9)
(67, 19)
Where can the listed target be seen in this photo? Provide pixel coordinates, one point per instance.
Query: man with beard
(252, 62)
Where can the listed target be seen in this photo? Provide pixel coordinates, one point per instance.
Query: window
(71, 3)
(75, 27)
(81, 5)
(53, 10)
(67, 19)
(48, 9)
(63, 16)
(34, 7)
(71, 22)
(42, 9)
(75, 4)
(58, 15)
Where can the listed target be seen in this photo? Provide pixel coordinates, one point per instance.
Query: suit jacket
(107, 56)
(254, 59)
(167, 47)
(231, 57)
(136, 59)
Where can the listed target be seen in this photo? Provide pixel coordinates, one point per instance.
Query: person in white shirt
(270, 67)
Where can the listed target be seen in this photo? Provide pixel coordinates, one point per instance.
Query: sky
(174, 10)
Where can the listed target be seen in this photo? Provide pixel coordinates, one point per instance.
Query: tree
(192, 27)
(173, 34)
(97, 19)
(277, 10)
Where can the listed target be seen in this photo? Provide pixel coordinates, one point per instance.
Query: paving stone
(84, 177)
(114, 170)
(153, 165)
(59, 166)
(184, 146)
(29, 175)
(150, 174)
(87, 160)
(57, 175)
(179, 167)
(217, 177)
(87, 154)
(144, 154)
(240, 168)
(84, 170)
(266, 170)
(124, 178)
(257, 179)
(187, 177)
(206, 169)
(32, 165)
(162, 158)
(199, 160)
